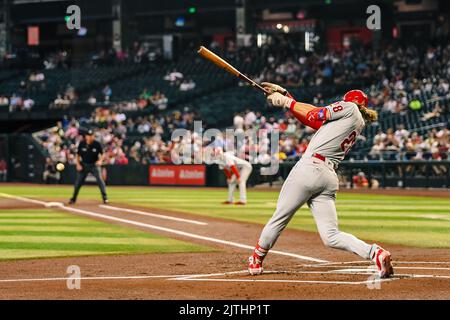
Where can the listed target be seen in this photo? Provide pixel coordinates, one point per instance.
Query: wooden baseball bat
(214, 58)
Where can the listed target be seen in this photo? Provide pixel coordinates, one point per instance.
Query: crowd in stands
(397, 74)
(57, 59)
(147, 139)
(140, 140)
(410, 75)
(405, 145)
(399, 79)
(63, 101)
(398, 69)
(22, 100)
(137, 54)
(16, 103)
(177, 79)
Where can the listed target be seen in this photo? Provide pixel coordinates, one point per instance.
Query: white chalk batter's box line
(367, 262)
(353, 267)
(195, 277)
(209, 277)
(367, 272)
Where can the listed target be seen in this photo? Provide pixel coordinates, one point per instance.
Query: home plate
(54, 204)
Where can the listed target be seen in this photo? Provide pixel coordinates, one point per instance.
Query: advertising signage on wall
(177, 175)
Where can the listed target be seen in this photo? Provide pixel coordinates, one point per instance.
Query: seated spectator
(401, 133)
(159, 100)
(145, 94)
(144, 98)
(4, 101)
(436, 112)
(70, 93)
(360, 181)
(174, 77)
(249, 119)
(107, 93)
(121, 159)
(60, 102)
(238, 121)
(28, 104)
(377, 150)
(92, 100)
(187, 85)
(36, 77)
(39, 76)
(15, 103)
(32, 77)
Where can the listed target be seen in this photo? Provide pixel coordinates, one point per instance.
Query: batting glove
(272, 88)
(278, 100)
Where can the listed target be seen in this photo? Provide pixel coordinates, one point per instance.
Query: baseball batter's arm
(308, 114)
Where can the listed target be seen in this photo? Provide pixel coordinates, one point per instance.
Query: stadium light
(192, 10)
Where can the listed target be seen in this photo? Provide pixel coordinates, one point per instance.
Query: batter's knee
(330, 238)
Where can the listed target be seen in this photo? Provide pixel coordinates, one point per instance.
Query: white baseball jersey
(337, 135)
(228, 159)
(315, 183)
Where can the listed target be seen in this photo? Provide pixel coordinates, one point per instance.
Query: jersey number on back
(348, 142)
(337, 108)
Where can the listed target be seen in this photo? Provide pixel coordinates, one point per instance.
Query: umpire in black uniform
(89, 159)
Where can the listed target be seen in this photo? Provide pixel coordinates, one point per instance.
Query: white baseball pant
(315, 182)
(244, 173)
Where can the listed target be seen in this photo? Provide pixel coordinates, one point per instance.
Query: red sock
(259, 252)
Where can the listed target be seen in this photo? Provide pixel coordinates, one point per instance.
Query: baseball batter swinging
(313, 179)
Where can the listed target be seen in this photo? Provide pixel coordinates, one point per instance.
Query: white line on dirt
(153, 215)
(395, 267)
(409, 275)
(169, 230)
(421, 268)
(207, 277)
(422, 262)
(367, 262)
(285, 281)
(91, 278)
(5, 195)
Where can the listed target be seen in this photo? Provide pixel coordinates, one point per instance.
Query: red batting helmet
(357, 96)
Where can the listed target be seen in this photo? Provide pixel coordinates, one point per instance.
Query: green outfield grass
(44, 233)
(413, 221)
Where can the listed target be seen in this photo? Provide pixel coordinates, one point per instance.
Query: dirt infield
(299, 268)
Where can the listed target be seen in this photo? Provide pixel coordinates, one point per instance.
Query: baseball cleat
(227, 202)
(383, 262)
(240, 203)
(255, 266)
(71, 201)
(105, 201)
